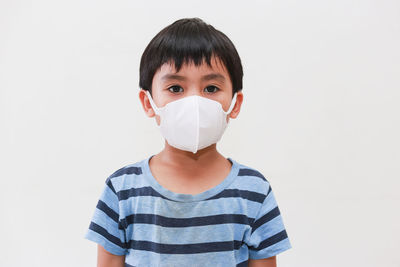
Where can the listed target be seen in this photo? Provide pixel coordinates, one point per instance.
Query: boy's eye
(175, 89)
(211, 89)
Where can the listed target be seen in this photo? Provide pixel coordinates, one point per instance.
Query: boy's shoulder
(123, 177)
(129, 169)
(251, 179)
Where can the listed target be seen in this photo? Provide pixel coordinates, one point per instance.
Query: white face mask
(193, 122)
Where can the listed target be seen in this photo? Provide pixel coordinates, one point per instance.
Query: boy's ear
(146, 103)
(236, 109)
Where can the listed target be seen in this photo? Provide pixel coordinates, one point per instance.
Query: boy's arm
(106, 259)
(269, 262)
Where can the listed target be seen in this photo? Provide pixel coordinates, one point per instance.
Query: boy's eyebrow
(207, 77)
(173, 77)
(213, 76)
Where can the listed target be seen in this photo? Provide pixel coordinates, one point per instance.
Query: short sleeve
(268, 234)
(104, 227)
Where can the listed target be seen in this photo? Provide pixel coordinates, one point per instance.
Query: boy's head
(190, 40)
(191, 58)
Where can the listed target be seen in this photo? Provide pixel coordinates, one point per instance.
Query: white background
(320, 119)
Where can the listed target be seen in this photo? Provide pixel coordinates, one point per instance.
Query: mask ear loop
(232, 104)
(153, 105)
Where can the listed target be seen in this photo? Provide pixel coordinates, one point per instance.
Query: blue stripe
(107, 210)
(110, 185)
(271, 240)
(266, 218)
(243, 264)
(135, 192)
(227, 193)
(185, 248)
(102, 231)
(186, 222)
(246, 194)
(251, 172)
(127, 170)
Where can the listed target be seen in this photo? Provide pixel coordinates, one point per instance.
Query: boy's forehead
(217, 70)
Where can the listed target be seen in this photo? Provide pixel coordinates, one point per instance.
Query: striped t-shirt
(152, 226)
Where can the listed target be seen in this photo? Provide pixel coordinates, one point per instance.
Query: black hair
(185, 40)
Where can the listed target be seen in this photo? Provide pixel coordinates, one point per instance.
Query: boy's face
(210, 82)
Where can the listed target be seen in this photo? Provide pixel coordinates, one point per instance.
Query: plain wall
(320, 119)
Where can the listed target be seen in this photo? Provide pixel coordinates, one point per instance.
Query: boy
(188, 205)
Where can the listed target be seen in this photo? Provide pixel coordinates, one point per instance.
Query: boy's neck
(180, 158)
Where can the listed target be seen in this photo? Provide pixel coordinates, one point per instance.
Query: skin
(183, 171)
(106, 259)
